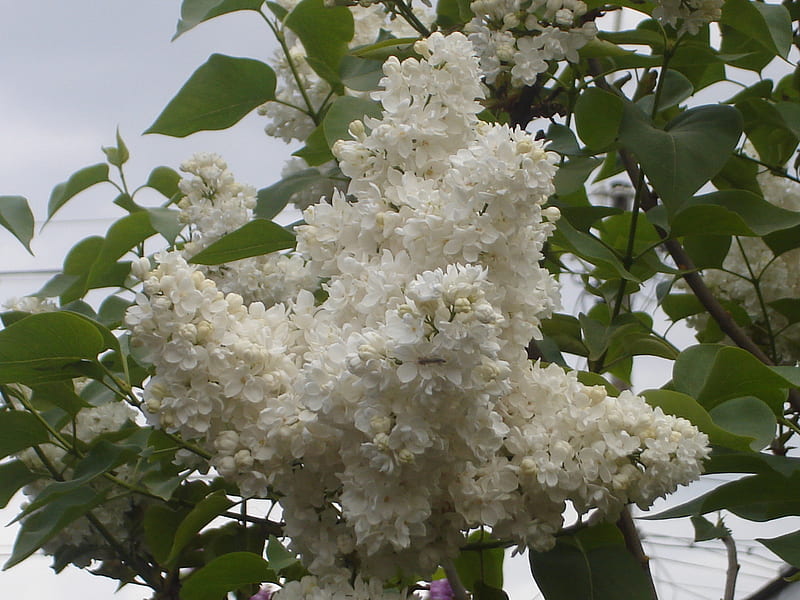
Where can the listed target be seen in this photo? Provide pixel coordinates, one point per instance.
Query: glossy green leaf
(768, 24)
(481, 567)
(343, 111)
(766, 128)
(316, 151)
(323, 52)
(273, 199)
(117, 155)
(571, 176)
(78, 182)
(675, 89)
(124, 235)
(225, 573)
(208, 509)
(725, 461)
(705, 530)
(761, 497)
(562, 140)
(20, 430)
(279, 557)
(166, 221)
(253, 239)
(786, 546)
(699, 63)
(738, 174)
(588, 247)
(712, 374)
(592, 564)
(16, 217)
(707, 251)
(749, 417)
(598, 115)
(691, 150)
(194, 12)
(40, 527)
(731, 212)
(680, 306)
(165, 181)
(360, 74)
(217, 95)
(740, 50)
(565, 330)
(14, 475)
(57, 395)
(38, 348)
(160, 524)
(380, 51)
(681, 405)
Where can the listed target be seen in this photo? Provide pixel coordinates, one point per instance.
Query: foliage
(640, 189)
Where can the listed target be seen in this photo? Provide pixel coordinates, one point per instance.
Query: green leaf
(217, 95)
(380, 51)
(731, 212)
(739, 174)
(790, 113)
(707, 251)
(20, 430)
(724, 461)
(16, 216)
(14, 475)
(343, 111)
(598, 115)
(572, 175)
(279, 557)
(562, 140)
(761, 497)
(40, 527)
(705, 530)
(681, 405)
(565, 330)
(58, 394)
(257, 237)
(360, 74)
(78, 182)
(713, 374)
(786, 546)
(766, 128)
(691, 150)
(680, 306)
(123, 235)
(194, 12)
(740, 50)
(316, 150)
(592, 564)
(768, 24)
(160, 524)
(324, 52)
(481, 567)
(676, 89)
(273, 199)
(208, 509)
(165, 181)
(452, 13)
(117, 155)
(224, 574)
(747, 416)
(166, 222)
(588, 247)
(39, 348)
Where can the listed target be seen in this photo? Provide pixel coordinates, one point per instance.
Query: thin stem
(779, 171)
(634, 545)
(312, 113)
(756, 282)
(733, 567)
(407, 13)
(459, 591)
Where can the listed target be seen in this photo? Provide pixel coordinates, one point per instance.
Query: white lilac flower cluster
(401, 409)
(79, 540)
(215, 205)
(522, 37)
(778, 277)
(688, 15)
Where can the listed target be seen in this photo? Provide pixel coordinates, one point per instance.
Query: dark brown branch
(634, 545)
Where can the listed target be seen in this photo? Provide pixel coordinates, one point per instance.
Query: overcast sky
(72, 72)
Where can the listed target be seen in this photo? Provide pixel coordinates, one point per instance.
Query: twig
(634, 545)
(459, 591)
(733, 567)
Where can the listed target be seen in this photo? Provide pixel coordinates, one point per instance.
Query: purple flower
(440, 590)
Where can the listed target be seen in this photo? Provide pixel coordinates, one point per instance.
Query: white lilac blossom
(398, 409)
(523, 37)
(80, 541)
(688, 15)
(748, 259)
